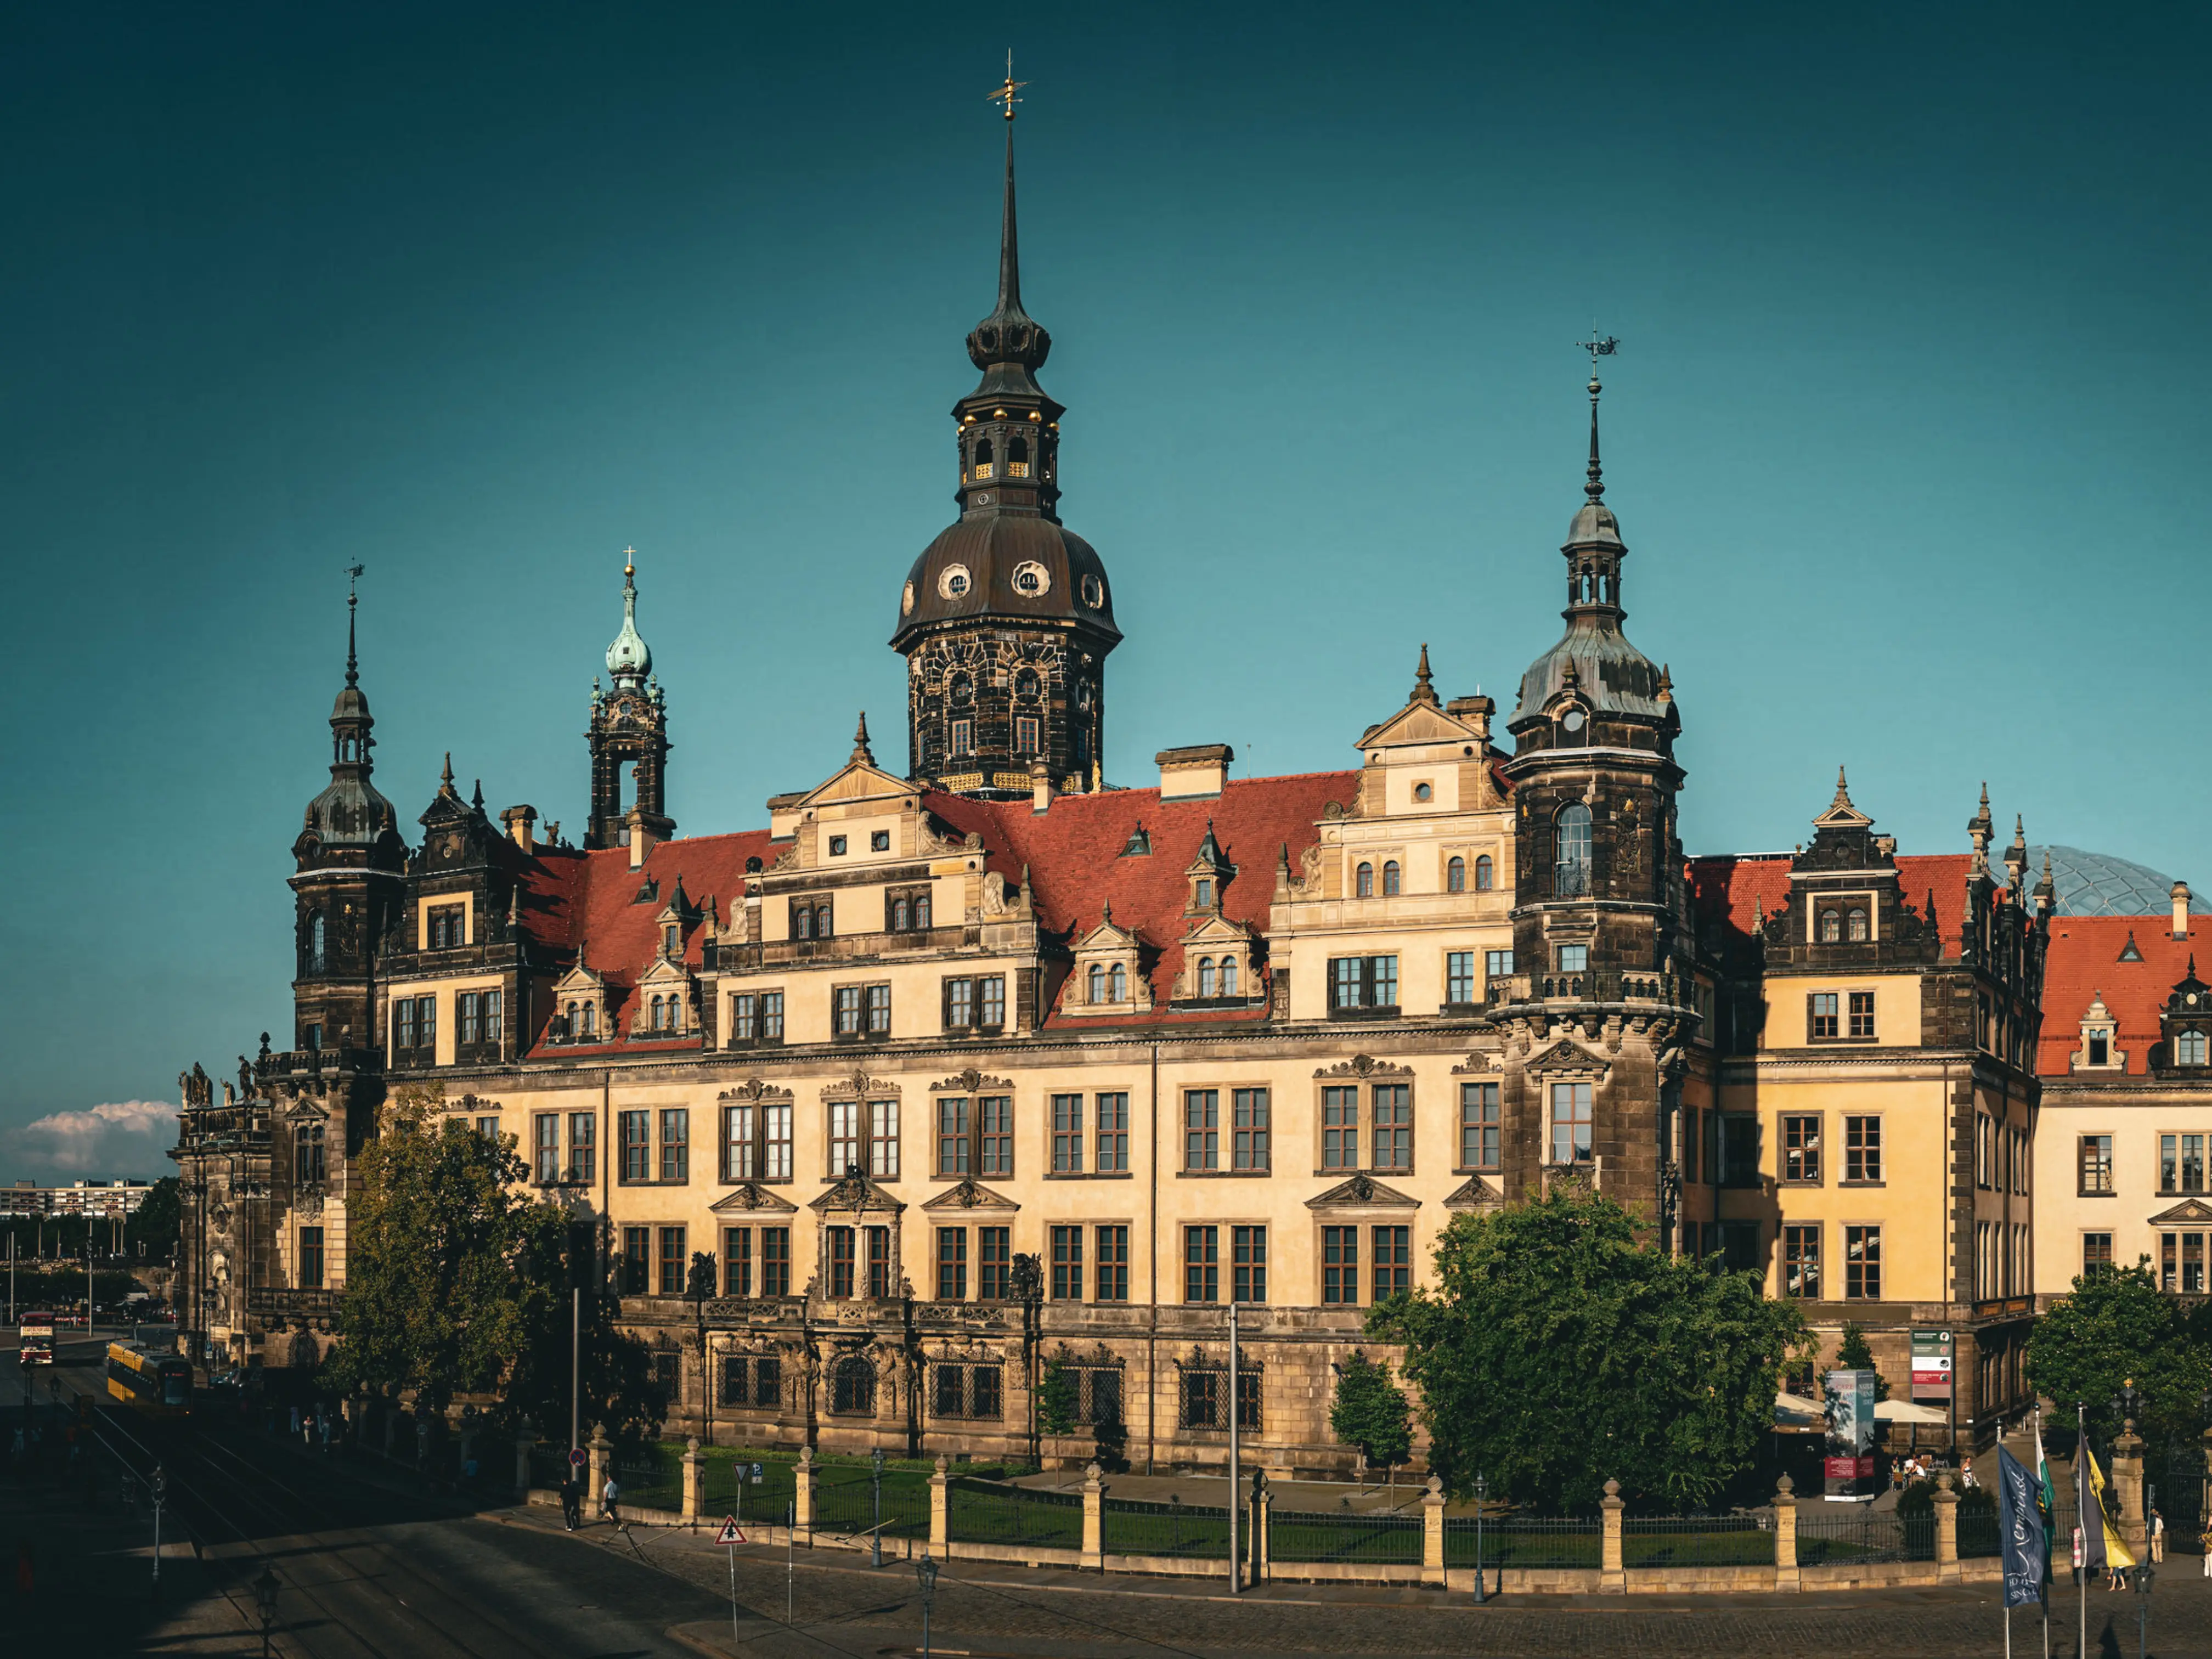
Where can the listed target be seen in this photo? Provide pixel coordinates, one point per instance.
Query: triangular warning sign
(729, 1533)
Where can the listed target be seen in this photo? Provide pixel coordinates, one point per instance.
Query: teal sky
(1910, 391)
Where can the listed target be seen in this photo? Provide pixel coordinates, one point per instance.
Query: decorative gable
(582, 1006)
(1475, 1194)
(1110, 976)
(857, 1195)
(1363, 1192)
(1568, 1058)
(750, 1196)
(666, 1002)
(2190, 1212)
(971, 1194)
(1363, 1065)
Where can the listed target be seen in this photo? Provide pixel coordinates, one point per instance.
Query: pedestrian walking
(609, 1498)
(2157, 1536)
(572, 1500)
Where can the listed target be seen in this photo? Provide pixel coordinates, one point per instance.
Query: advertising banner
(1931, 1367)
(1850, 1464)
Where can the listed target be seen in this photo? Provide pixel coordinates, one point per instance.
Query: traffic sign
(756, 1474)
(576, 1458)
(729, 1533)
(2080, 1549)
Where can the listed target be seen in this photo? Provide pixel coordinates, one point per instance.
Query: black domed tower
(1006, 619)
(1602, 992)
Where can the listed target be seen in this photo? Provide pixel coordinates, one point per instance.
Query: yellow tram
(156, 1385)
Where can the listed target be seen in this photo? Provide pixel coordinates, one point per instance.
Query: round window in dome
(953, 583)
(1573, 721)
(1094, 591)
(1032, 579)
(906, 601)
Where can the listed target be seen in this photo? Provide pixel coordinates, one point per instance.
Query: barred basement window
(971, 1393)
(1202, 1403)
(853, 1388)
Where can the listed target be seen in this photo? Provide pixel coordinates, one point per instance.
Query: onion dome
(629, 660)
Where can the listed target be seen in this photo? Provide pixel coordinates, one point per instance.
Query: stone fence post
(694, 1482)
(1786, 1535)
(940, 1507)
(526, 1441)
(601, 1450)
(2128, 1483)
(1263, 1504)
(802, 1476)
(1610, 1576)
(1432, 1531)
(1094, 1519)
(1946, 1530)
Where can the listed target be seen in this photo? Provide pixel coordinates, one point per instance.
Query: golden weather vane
(1005, 94)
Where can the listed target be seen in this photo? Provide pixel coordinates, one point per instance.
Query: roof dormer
(2101, 1050)
(1109, 975)
(1209, 872)
(1429, 757)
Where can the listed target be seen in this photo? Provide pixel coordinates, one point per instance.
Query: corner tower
(1602, 994)
(1006, 619)
(628, 728)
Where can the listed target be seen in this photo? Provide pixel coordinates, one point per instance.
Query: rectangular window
(1692, 1118)
(403, 1023)
(309, 1165)
(1801, 1148)
(737, 1262)
(1740, 1149)
(1862, 1263)
(1394, 1260)
(636, 1145)
(2096, 1251)
(1801, 1260)
(1574, 958)
(2181, 1163)
(1862, 1149)
(310, 1258)
(948, 1391)
(1113, 1266)
(991, 995)
(845, 1010)
(2096, 1165)
(963, 737)
(1201, 1129)
(776, 1261)
(672, 1261)
(1479, 1127)
(733, 1390)
(879, 1263)
(464, 1018)
(1339, 1129)
(986, 1397)
(1067, 1264)
(771, 1016)
(1067, 1134)
(1392, 1104)
(994, 1253)
(1497, 964)
(675, 1144)
(883, 1139)
(1247, 1250)
(583, 1147)
(768, 1381)
(1025, 731)
(1201, 1264)
(448, 922)
(952, 1264)
(1740, 1247)
(545, 1143)
(637, 1261)
(1248, 1116)
(844, 1137)
(1862, 1013)
(840, 1240)
(1113, 1132)
(1459, 976)
(1339, 1267)
(994, 1122)
(1363, 982)
(952, 1135)
(1570, 1123)
(959, 1004)
(488, 1127)
(1820, 1008)
(879, 1010)
(1201, 1399)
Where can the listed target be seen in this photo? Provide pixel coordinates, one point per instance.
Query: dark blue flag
(2088, 1513)
(2021, 1532)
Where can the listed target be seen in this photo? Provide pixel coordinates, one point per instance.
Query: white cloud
(122, 1137)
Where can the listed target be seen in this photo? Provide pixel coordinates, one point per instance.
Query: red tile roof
(1735, 890)
(2084, 962)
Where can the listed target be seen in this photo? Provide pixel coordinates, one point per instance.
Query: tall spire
(1010, 261)
(353, 598)
(629, 659)
(1008, 344)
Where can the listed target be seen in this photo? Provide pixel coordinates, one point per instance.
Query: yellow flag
(2117, 1554)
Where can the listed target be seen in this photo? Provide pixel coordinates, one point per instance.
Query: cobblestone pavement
(991, 1608)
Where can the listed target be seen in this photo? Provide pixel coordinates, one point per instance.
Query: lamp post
(265, 1597)
(1481, 1491)
(876, 1478)
(926, 1571)
(2144, 1575)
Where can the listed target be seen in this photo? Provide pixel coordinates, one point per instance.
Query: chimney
(1197, 772)
(519, 821)
(1040, 785)
(1475, 711)
(641, 838)
(2181, 909)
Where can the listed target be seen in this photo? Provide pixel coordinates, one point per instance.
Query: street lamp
(2144, 1575)
(265, 1597)
(926, 1571)
(1481, 1491)
(875, 1476)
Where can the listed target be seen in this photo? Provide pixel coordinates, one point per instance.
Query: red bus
(37, 1338)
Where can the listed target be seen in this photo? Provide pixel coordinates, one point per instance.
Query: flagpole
(2081, 1522)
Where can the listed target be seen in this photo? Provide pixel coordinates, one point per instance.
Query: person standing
(609, 1498)
(572, 1499)
(2157, 1536)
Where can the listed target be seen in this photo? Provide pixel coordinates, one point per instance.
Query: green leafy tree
(1059, 1399)
(615, 1371)
(1110, 1436)
(155, 1223)
(1852, 1354)
(2117, 1327)
(1554, 1351)
(1367, 1412)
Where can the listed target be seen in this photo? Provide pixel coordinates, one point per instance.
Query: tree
(153, 1224)
(1554, 1351)
(616, 1372)
(1059, 1399)
(1852, 1354)
(2117, 1327)
(1110, 1434)
(1370, 1413)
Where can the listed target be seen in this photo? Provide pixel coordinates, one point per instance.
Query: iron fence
(984, 1512)
(1838, 1533)
(648, 1480)
(1525, 1541)
(1978, 1535)
(1379, 1538)
(1131, 1528)
(845, 1502)
(1696, 1541)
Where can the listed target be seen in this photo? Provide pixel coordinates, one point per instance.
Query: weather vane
(1005, 94)
(1598, 348)
(353, 577)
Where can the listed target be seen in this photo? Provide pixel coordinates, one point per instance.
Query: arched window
(660, 1015)
(1455, 876)
(1018, 457)
(1390, 877)
(1205, 976)
(1571, 873)
(1097, 981)
(1229, 976)
(1854, 925)
(1120, 982)
(2189, 1048)
(1363, 881)
(898, 916)
(921, 911)
(1486, 876)
(568, 1019)
(822, 921)
(802, 921)
(1832, 926)
(318, 942)
(983, 457)
(591, 1019)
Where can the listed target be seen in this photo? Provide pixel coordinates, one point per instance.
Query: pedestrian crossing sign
(729, 1533)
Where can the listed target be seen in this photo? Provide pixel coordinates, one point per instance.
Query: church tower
(346, 887)
(1602, 989)
(629, 728)
(1006, 619)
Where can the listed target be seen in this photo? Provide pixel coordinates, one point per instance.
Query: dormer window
(671, 940)
(659, 1014)
(2101, 1050)
(1832, 926)
(1108, 982)
(1205, 976)
(1854, 925)
(2189, 1048)
(1202, 892)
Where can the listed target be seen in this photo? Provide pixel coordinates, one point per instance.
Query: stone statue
(245, 1077)
(230, 1096)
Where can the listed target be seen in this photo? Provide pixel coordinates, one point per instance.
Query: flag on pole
(2088, 1514)
(2049, 1493)
(2114, 1552)
(2025, 1543)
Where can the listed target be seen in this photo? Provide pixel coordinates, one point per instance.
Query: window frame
(1862, 1266)
(1389, 1258)
(1586, 1119)
(2084, 1168)
(1862, 1153)
(1368, 978)
(1399, 1127)
(1201, 1264)
(1489, 1126)
(1111, 1140)
(1109, 1266)
(1801, 1250)
(1801, 1157)
(760, 1145)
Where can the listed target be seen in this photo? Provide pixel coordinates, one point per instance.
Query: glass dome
(2098, 885)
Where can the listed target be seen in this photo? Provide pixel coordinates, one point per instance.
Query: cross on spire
(1005, 94)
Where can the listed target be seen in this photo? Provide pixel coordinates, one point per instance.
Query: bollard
(1094, 1519)
(803, 1489)
(694, 1482)
(1610, 1576)
(1786, 1535)
(1432, 1531)
(1946, 1530)
(1263, 1504)
(601, 1451)
(940, 1507)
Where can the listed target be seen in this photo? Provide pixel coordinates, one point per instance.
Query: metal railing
(1836, 1535)
(986, 1512)
(1525, 1541)
(1696, 1541)
(1131, 1527)
(1380, 1538)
